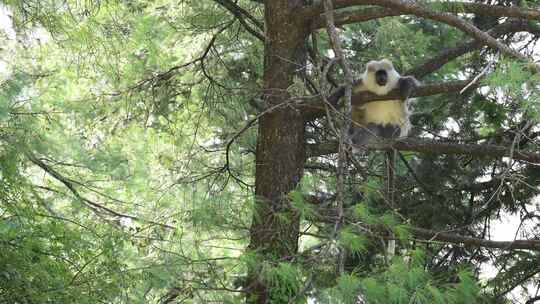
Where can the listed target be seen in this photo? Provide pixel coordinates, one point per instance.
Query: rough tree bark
(280, 154)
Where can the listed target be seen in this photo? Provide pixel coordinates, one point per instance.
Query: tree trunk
(280, 148)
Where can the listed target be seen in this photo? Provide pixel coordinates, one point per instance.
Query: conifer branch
(433, 147)
(447, 7)
(446, 237)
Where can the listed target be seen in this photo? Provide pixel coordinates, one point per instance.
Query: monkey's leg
(364, 135)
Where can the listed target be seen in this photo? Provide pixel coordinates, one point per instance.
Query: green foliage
(127, 165)
(300, 205)
(352, 241)
(403, 42)
(517, 81)
(362, 212)
(348, 287)
(408, 282)
(404, 281)
(285, 282)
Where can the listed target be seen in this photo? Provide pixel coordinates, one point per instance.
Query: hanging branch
(95, 207)
(347, 109)
(241, 14)
(429, 235)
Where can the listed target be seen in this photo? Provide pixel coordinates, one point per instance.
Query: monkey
(387, 119)
(384, 118)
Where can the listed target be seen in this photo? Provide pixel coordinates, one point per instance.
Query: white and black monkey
(383, 118)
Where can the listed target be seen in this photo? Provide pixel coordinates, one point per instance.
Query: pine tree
(186, 151)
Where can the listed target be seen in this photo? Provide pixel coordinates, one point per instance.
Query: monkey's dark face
(381, 77)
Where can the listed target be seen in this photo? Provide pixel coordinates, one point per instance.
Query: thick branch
(448, 55)
(356, 16)
(431, 147)
(315, 109)
(490, 10)
(449, 7)
(446, 237)
(450, 19)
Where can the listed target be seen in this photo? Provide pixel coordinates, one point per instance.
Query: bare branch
(490, 10)
(342, 153)
(450, 19)
(231, 6)
(166, 75)
(433, 147)
(446, 237)
(449, 7)
(241, 14)
(360, 15)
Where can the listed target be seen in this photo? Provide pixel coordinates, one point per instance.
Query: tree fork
(280, 155)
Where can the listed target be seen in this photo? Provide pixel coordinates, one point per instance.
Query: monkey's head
(380, 77)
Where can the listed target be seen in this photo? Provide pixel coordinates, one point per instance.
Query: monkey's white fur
(384, 112)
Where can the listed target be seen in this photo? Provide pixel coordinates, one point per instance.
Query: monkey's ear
(387, 63)
(371, 66)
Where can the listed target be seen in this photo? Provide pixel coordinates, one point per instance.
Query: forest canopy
(191, 152)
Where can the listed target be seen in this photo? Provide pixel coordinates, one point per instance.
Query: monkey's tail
(390, 176)
(390, 196)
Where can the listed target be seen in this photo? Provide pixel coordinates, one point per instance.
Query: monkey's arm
(337, 95)
(407, 86)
